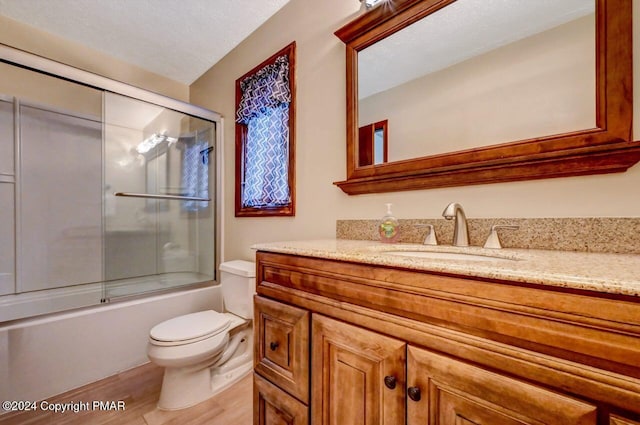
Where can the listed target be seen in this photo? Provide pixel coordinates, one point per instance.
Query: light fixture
(370, 3)
(154, 140)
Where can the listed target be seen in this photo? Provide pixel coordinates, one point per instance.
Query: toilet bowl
(205, 352)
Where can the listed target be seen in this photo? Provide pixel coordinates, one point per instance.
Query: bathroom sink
(448, 256)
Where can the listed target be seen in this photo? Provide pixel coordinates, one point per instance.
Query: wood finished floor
(139, 388)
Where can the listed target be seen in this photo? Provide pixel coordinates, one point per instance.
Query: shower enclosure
(158, 220)
(102, 196)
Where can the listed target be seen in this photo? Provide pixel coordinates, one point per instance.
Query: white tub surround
(49, 355)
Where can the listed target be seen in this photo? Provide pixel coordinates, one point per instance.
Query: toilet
(205, 352)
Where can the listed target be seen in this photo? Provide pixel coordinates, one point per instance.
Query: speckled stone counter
(602, 272)
(595, 234)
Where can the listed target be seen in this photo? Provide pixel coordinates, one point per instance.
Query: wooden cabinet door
(281, 352)
(450, 392)
(272, 406)
(358, 376)
(616, 420)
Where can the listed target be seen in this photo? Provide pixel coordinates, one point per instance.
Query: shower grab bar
(152, 196)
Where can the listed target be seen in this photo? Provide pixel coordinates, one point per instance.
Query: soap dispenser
(389, 227)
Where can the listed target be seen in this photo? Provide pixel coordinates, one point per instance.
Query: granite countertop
(608, 273)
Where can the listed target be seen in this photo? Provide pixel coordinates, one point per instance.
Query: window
(265, 124)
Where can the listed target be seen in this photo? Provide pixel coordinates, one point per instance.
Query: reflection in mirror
(479, 117)
(506, 72)
(373, 147)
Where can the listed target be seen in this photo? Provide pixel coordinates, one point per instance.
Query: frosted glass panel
(7, 242)
(6, 138)
(61, 200)
(154, 243)
(66, 240)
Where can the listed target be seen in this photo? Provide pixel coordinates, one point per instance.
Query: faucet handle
(493, 240)
(430, 238)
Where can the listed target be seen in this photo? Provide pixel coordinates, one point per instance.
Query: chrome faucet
(460, 231)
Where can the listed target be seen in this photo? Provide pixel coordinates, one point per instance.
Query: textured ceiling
(179, 39)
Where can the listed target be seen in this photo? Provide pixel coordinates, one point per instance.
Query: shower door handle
(154, 196)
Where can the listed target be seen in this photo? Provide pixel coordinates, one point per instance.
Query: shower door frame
(43, 65)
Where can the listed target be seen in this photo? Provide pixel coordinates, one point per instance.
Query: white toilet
(205, 352)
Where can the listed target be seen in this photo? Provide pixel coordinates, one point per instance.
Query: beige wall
(32, 40)
(320, 158)
(35, 88)
(320, 154)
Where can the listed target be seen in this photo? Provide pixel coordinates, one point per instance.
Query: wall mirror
(476, 91)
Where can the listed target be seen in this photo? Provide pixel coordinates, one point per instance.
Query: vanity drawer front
(282, 346)
(272, 406)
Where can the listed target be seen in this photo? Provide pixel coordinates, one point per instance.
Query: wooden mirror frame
(607, 148)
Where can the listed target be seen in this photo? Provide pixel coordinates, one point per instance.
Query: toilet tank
(238, 280)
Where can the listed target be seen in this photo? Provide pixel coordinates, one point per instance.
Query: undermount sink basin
(447, 256)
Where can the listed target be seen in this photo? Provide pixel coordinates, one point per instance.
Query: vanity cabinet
(281, 363)
(272, 406)
(622, 421)
(386, 345)
(357, 375)
(355, 368)
(445, 391)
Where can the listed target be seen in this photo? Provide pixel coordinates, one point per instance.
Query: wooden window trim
(366, 143)
(241, 135)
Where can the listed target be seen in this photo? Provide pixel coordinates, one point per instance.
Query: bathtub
(45, 356)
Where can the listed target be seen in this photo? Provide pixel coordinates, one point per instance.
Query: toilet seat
(190, 328)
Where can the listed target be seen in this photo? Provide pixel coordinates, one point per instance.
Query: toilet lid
(190, 326)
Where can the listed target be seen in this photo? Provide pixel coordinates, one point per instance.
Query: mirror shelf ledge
(612, 159)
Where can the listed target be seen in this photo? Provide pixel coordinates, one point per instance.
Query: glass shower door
(7, 188)
(158, 191)
(60, 221)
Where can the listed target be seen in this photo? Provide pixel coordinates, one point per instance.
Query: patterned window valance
(267, 88)
(265, 138)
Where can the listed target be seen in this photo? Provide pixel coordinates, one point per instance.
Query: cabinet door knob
(274, 346)
(414, 393)
(390, 382)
